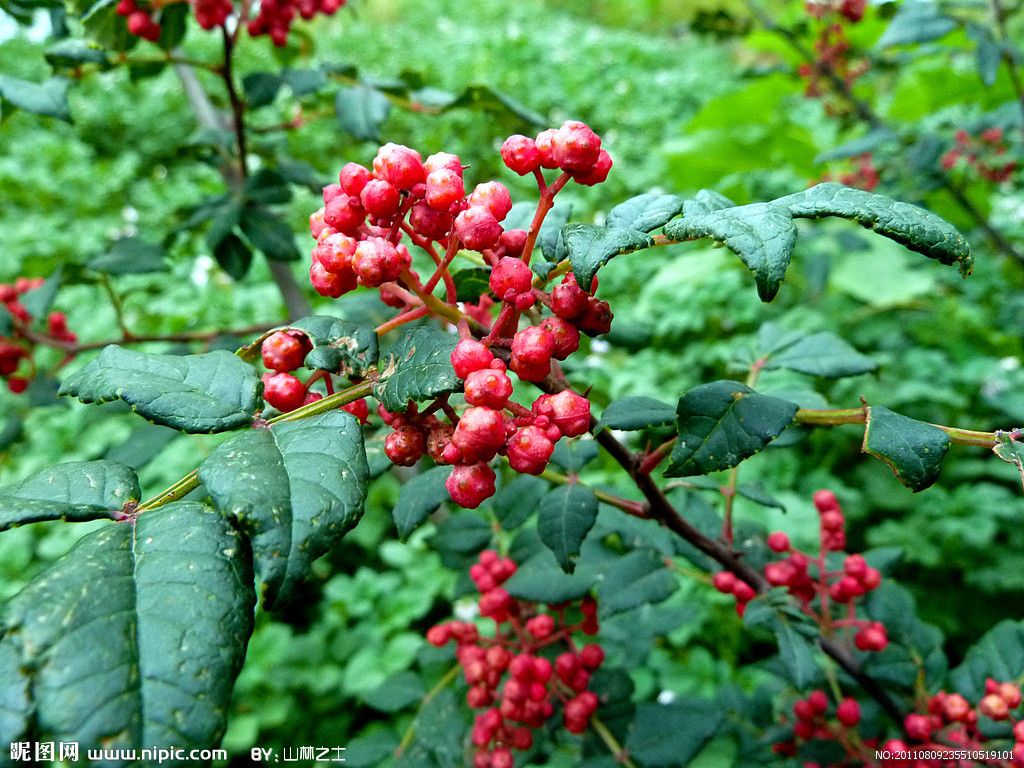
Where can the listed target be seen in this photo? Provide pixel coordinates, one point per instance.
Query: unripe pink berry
(470, 485)
(344, 214)
(592, 656)
(494, 196)
(332, 191)
(724, 582)
(568, 300)
(317, 224)
(541, 626)
(283, 391)
(380, 198)
(488, 387)
(509, 277)
(575, 146)
(778, 542)
(918, 727)
(545, 148)
(333, 284)
(470, 355)
(430, 222)
(353, 177)
(520, 154)
(529, 450)
(376, 261)
(477, 228)
(565, 334)
(399, 165)
(994, 706)
(444, 187)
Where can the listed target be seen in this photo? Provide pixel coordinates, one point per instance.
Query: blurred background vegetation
(686, 95)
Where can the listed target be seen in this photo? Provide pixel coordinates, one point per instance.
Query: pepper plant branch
(829, 418)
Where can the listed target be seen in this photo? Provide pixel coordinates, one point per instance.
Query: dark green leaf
(15, 692)
(72, 52)
(440, 727)
(397, 692)
(74, 492)
(759, 495)
(295, 489)
(1011, 451)
(795, 650)
(419, 497)
(916, 22)
(590, 247)
(261, 88)
(234, 256)
(635, 579)
(574, 455)
(49, 98)
(173, 24)
(566, 516)
(913, 450)
(212, 392)
(134, 638)
(820, 354)
(909, 225)
(471, 283)
(487, 99)
(518, 499)
(226, 215)
(304, 81)
(130, 255)
(269, 233)
(671, 735)
(633, 413)
(267, 187)
(6, 321)
(142, 445)
(706, 201)
(39, 300)
(540, 579)
(645, 213)
(12, 429)
(988, 53)
(999, 654)
(416, 368)
(361, 111)
(869, 142)
(721, 424)
(915, 651)
(762, 235)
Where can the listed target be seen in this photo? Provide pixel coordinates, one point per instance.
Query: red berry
(57, 324)
(597, 173)
(405, 446)
(443, 160)
(724, 582)
(399, 165)
(439, 635)
(743, 591)
(479, 434)
(778, 542)
(826, 501)
(832, 521)
(541, 626)
(359, 409)
(502, 758)
(284, 351)
(779, 574)
(17, 384)
(994, 707)
(470, 355)
(1010, 693)
(333, 284)
(565, 334)
(492, 196)
(871, 579)
(592, 656)
(575, 146)
(520, 154)
(430, 222)
(545, 148)
(477, 228)
(529, 451)
(568, 300)
(918, 727)
(567, 410)
(532, 348)
(488, 387)
(522, 739)
(353, 177)
(597, 318)
(470, 485)
(818, 701)
(510, 277)
(848, 712)
(344, 214)
(335, 253)
(138, 22)
(803, 710)
(283, 391)
(566, 666)
(873, 637)
(444, 187)
(379, 198)
(376, 261)
(542, 668)
(514, 240)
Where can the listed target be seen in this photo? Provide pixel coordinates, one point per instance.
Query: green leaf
(590, 247)
(645, 213)
(472, 283)
(267, 187)
(706, 201)
(635, 413)
(416, 368)
(39, 300)
(142, 445)
(999, 654)
(915, 651)
(211, 392)
(49, 98)
(763, 235)
(74, 492)
(487, 99)
(913, 449)
(721, 424)
(820, 354)
(397, 692)
(795, 650)
(419, 497)
(919, 21)
(72, 52)
(233, 255)
(338, 346)
(566, 516)
(540, 579)
(988, 53)
(759, 495)
(671, 735)
(574, 455)
(225, 215)
(261, 88)
(130, 256)
(295, 489)
(635, 579)
(869, 142)
(1010, 450)
(269, 233)
(173, 25)
(517, 500)
(15, 690)
(909, 225)
(361, 111)
(440, 727)
(134, 638)
(304, 81)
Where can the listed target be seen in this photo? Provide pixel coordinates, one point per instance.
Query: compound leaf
(721, 424)
(566, 516)
(590, 247)
(134, 638)
(645, 213)
(211, 392)
(295, 489)
(416, 368)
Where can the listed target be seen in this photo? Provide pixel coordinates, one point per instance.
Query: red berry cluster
(984, 153)
(274, 17)
(948, 723)
(518, 675)
(360, 232)
(833, 50)
(829, 597)
(17, 366)
(863, 175)
(283, 352)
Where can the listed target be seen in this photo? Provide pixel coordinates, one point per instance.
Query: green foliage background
(679, 110)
